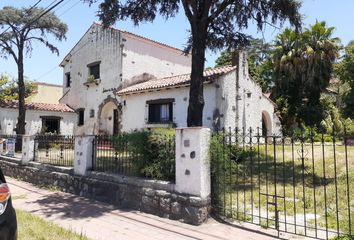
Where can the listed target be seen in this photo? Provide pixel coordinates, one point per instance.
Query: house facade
(117, 82)
(232, 99)
(40, 118)
(106, 60)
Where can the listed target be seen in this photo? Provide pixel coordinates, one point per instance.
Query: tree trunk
(21, 120)
(196, 99)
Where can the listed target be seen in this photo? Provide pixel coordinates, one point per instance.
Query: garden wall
(151, 196)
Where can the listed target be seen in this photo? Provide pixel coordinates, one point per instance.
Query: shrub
(152, 152)
(345, 237)
(228, 161)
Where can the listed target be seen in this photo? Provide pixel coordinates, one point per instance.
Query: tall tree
(25, 26)
(213, 24)
(303, 65)
(345, 71)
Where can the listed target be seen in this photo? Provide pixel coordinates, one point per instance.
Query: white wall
(147, 57)
(8, 120)
(217, 95)
(96, 45)
(122, 57)
(251, 107)
(135, 112)
(220, 105)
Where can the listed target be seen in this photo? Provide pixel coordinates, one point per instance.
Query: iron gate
(299, 185)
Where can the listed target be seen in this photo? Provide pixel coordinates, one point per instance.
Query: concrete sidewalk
(102, 221)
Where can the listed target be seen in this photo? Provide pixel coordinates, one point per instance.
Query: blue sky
(43, 66)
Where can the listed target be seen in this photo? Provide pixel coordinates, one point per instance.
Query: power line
(68, 9)
(61, 6)
(48, 72)
(27, 11)
(35, 5)
(61, 14)
(45, 12)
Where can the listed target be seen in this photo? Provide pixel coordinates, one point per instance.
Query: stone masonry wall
(151, 196)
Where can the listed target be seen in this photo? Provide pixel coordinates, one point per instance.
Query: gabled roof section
(132, 35)
(37, 106)
(175, 81)
(144, 39)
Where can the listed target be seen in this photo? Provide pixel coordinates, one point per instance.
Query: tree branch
(51, 47)
(7, 47)
(220, 9)
(187, 10)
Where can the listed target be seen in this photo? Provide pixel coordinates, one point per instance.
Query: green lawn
(31, 227)
(241, 188)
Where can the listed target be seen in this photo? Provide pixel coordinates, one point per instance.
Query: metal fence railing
(136, 154)
(298, 184)
(54, 150)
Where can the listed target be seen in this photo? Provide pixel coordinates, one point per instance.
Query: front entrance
(291, 184)
(115, 122)
(109, 119)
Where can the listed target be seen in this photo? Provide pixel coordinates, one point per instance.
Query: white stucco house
(232, 99)
(40, 118)
(106, 60)
(118, 81)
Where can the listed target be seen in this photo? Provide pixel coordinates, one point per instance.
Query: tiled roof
(174, 81)
(37, 106)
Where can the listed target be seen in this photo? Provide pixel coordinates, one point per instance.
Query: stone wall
(151, 196)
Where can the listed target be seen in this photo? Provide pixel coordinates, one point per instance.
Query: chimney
(239, 59)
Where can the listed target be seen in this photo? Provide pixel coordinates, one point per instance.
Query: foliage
(90, 78)
(303, 66)
(153, 151)
(345, 71)
(345, 237)
(24, 26)
(345, 68)
(227, 159)
(213, 24)
(9, 88)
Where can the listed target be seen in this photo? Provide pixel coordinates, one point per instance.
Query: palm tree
(303, 65)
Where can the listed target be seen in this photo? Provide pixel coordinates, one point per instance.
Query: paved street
(102, 221)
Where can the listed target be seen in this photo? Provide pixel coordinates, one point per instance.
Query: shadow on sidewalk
(70, 206)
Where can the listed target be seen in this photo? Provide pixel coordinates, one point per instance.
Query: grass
(305, 178)
(31, 227)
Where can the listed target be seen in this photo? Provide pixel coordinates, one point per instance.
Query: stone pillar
(27, 149)
(83, 154)
(192, 161)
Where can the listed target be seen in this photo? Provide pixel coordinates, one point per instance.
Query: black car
(8, 222)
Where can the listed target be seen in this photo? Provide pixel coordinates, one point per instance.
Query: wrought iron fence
(300, 184)
(140, 154)
(54, 150)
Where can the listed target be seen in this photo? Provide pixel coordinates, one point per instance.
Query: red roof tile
(174, 81)
(37, 106)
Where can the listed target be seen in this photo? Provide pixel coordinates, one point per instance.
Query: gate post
(192, 161)
(27, 149)
(83, 154)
